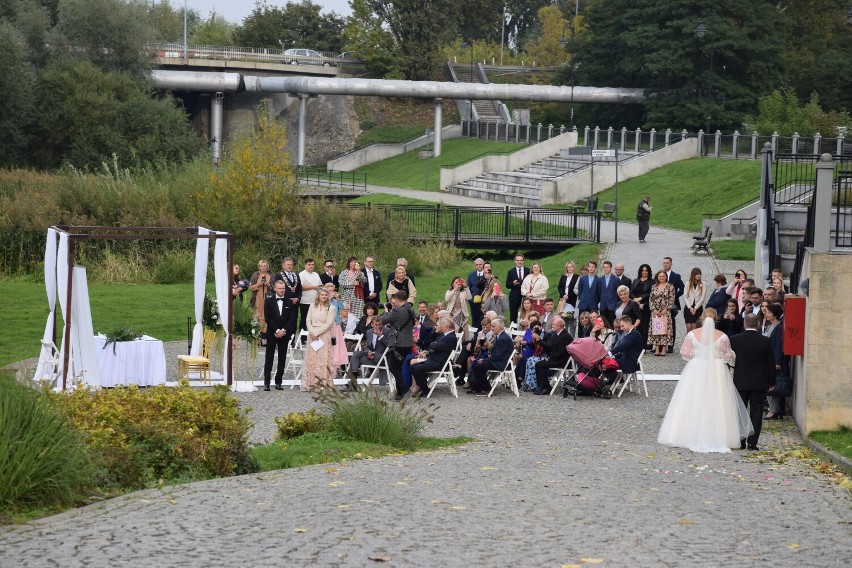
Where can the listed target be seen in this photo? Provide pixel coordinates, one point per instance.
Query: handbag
(783, 386)
(359, 290)
(659, 325)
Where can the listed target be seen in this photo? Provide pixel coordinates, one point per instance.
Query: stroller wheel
(607, 394)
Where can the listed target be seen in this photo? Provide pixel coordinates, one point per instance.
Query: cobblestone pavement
(547, 482)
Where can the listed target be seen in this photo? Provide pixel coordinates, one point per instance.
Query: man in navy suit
(676, 281)
(496, 361)
(628, 348)
(555, 344)
(588, 292)
(474, 284)
(373, 287)
(608, 285)
(439, 351)
(514, 279)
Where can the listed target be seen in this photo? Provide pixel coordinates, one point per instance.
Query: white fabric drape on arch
(50, 286)
(84, 361)
(62, 289)
(223, 290)
(202, 246)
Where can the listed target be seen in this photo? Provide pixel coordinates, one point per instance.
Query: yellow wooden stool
(194, 364)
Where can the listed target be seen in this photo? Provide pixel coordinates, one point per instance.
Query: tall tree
(547, 49)
(419, 29)
(296, 25)
(693, 80)
(17, 78)
(374, 45)
(214, 31)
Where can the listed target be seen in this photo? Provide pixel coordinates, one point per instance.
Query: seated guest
(433, 358)
(370, 311)
(602, 331)
(497, 359)
(422, 338)
(584, 325)
(555, 346)
(348, 321)
(484, 342)
(423, 316)
(532, 353)
(627, 350)
(374, 345)
(471, 349)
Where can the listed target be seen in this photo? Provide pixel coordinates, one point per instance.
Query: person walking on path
(754, 373)
(643, 215)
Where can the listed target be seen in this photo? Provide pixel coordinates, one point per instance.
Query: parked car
(298, 56)
(347, 55)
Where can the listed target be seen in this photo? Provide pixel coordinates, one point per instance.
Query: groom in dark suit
(514, 279)
(280, 313)
(754, 373)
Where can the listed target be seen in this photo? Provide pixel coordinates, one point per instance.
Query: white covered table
(141, 362)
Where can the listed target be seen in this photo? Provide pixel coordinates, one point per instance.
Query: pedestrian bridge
(244, 60)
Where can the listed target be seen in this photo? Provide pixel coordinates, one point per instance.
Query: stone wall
(823, 390)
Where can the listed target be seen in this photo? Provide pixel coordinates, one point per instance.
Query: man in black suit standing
(280, 314)
(496, 361)
(754, 373)
(330, 274)
(514, 279)
(474, 284)
(373, 287)
(439, 351)
(555, 344)
(622, 279)
(676, 281)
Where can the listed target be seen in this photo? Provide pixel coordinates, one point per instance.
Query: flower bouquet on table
(121, 334)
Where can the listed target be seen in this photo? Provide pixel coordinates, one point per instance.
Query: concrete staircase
(523, 187)
(485, 110)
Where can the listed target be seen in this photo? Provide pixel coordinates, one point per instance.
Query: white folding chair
(513, 327)
(357, 339)
(295, 359)
(505, 377)
(561, 374)
(370, 373)
(50, 371)
(632, 378)
(446, 372)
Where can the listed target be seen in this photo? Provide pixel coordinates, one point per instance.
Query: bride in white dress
(706, 414)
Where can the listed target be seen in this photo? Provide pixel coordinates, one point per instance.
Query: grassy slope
(410, 172)
(682, 192)
(161, 310)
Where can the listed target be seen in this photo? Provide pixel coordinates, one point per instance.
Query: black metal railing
(796, 273)
(340, 181)
(843, 209)
(496, 226)
(795, 178)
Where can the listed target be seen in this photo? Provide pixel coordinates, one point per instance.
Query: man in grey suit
(374, 346)
(754, 373)
(400, 338)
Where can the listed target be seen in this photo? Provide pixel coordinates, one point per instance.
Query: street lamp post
(564, 43)
(700, 31)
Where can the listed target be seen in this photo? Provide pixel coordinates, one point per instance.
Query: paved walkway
(548, 482)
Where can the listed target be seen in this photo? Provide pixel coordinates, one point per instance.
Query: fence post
(754, 145)
(561, 129)
(822, 203)
(840, 145)
(517, 133)
(736, 140)
(668, 137)
(575, 215)
(437, 219)
(506, 221)
(597, 137)
(701, 144)
(609, 137)
(653, 139)
(774, 142)
(527, 226)
(549, 131)
(538, 133)
(598, 219)
(717, 143)
(817, 142)
(456, 213)
(638, 142)
(623, 138)
(586, 136)
(794, 148)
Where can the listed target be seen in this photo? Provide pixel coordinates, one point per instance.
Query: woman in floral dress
(318, 370)
(350, 280)
(662, 299)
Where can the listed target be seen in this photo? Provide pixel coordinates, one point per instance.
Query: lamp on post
(565, 43)
(700, 31)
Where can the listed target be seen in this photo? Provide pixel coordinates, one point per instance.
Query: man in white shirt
(311, 283)
(374, 281)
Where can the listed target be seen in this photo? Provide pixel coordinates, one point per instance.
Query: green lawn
(389, 199)
(410, 172)
(683, 191)
(839, 440)
(733, 250)
(161, 310)
(389, 134)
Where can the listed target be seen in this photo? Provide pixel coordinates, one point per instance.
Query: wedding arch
(62, 278)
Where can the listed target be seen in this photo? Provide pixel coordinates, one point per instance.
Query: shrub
(175, 266)
(142, 436)
(297, 423)
(367, 416)
(43, 458)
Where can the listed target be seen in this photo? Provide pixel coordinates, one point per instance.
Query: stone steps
(496, 195)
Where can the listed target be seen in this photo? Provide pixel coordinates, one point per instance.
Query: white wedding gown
(706, 414)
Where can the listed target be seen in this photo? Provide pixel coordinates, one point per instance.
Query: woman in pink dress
(319, 365)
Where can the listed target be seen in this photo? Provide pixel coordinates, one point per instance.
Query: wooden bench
(582, 204)
(608, 210)
(702, 245)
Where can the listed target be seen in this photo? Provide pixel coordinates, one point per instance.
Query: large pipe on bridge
(438, 89)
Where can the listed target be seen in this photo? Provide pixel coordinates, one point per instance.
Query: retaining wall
(377, 152)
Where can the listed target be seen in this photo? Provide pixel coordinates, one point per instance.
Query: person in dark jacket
(400, 337)
(628, 348)
(439, 351)
(718, 299)
(754, 372)
(555, 346)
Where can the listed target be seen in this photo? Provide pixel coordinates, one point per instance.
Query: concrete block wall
(377, 152)
(823, 398)
(506, 162)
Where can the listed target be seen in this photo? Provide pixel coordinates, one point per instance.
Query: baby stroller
(595, 371)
